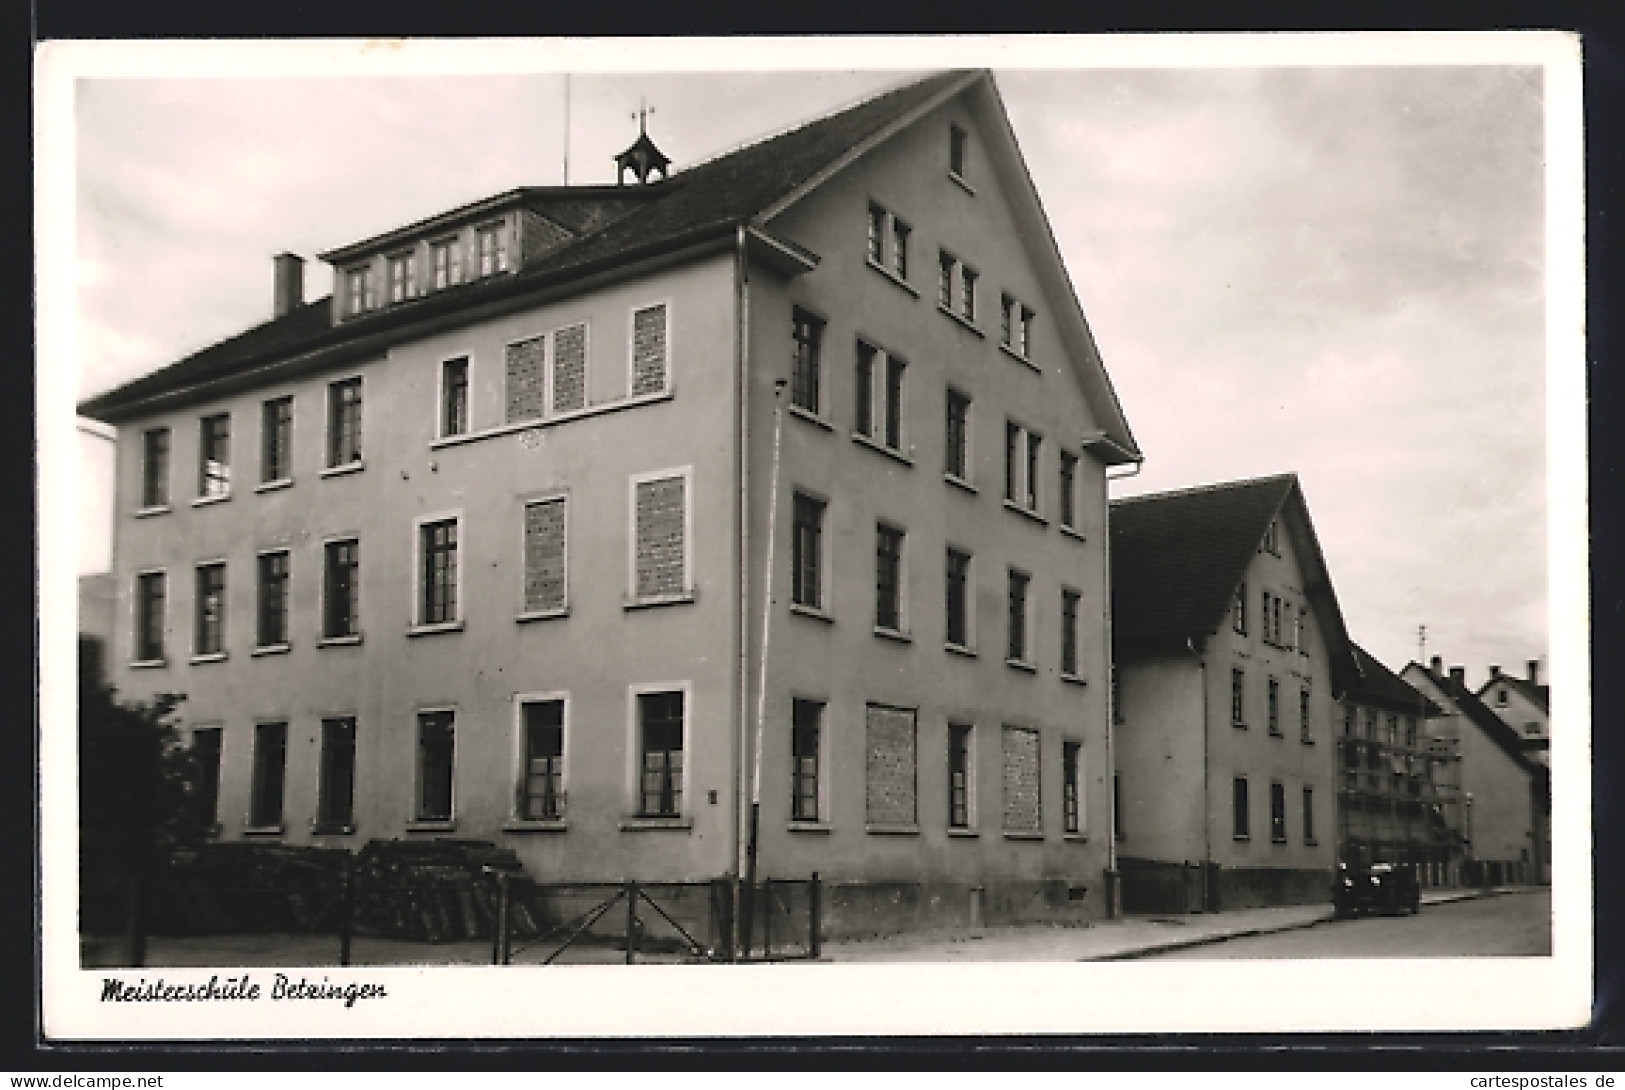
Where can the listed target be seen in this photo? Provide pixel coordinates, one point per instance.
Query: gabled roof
(1479, 714)
(1178, 557)
(615, 230)
(1538, 695)
(1380, 685)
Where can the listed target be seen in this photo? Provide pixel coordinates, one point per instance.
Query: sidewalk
(1108, 940)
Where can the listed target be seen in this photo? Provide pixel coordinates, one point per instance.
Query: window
(272, 627)
(1238, 698)
(888, 578)
(1410, 730)
(210, 632)
(206, 759)
(660, 743)
(335, 788)
(1277, 814)
(545, 553)
(402, 278)
(276, 439)
(649, 349)
(445, 261)
(454, 396)
(890, 780)
(1272, 707)
(1023, 808)
(437, 748)
(1069, 633)
(150, 588)
(956, 286)
(155, 468)
(807, 330)
(438, 574)
(1305, 729)
(1238, 808)
(960, 770)
(541, 787)
(1272, 538)
(1021, 453)
(1270, 612)
(491, 244)
(1238, 610)
(805, 720)
(879, 414)
(888, 241)
(1500, 698)
(1016, 326)
(1392, 735)
(214, 456)
(1071, 787)
(806, 553)
(358, 290)
(660, 560)
(1308, 815)
(270, 770)
(1069, 490)
(1017, 647)
(1275, 621)
(956, 452)
(957, 577)
(1348, 721)
(341, 588)
(956, 151)
(344, 422)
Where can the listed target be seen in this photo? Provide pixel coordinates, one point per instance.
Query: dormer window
(402, 278)
(445, 263)
(492, 246)
(358, 290)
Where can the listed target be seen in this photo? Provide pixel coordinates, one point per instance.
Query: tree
(137, 786)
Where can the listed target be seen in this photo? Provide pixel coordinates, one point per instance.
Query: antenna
(1422, 645)
(566, 128)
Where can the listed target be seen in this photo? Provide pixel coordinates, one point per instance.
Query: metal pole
(631, 922)
(500, 951)
(754, 843)
(814, 917)
(347, 911)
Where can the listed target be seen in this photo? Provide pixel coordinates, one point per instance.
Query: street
(1508, 925)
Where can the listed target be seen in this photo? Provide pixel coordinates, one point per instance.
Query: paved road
(1507, 925)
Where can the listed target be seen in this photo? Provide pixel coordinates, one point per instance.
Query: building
(1399, 788)
(1229, 651)
(97, 597)
(1523, 704)
(482, 545)
(1506, 797)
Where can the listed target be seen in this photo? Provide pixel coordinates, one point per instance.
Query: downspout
(742, 529)
(1114, 907)
(1207, 785)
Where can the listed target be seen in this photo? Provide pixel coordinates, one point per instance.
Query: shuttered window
(570, 369)
(526, 363)
(660, 516)
(890, 766)
(544, 556)
(649, 350)
(1022, 812)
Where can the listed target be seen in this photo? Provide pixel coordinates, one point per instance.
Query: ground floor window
(889, 766)
(335, 793)
(542, 786)
(206, 758)
(805, 727)
(660, 743)
(436, 758)
(270, 767)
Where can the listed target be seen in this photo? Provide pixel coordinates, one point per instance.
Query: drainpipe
(1207, 785)
(1114, 880)
(742, 527)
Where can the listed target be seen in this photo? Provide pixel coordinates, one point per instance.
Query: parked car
(1389, 888)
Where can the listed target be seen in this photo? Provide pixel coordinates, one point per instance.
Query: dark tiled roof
(1380, 685)
(705, 200)
(1178, 556)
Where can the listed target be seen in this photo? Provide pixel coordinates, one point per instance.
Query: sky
(1334, 271)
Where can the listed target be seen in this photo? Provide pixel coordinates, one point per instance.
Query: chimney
(1495, 672)
(288, 284)
(1534, 671)
(1458, 674)
(1436, 667)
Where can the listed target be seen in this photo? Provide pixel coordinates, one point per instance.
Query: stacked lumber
(244, 887)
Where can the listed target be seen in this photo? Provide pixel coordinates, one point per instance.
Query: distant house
(1505, 795)
(1399, 788)
(1523, 704)
(97, 594)
(1229, 649)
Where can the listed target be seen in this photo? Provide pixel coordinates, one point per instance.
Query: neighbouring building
(1399, 788)
(1229, 651)
(97, 600)
(1506, 796)
(523, 532)
(1525, 705)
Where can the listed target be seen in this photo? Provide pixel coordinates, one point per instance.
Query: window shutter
(661, 548)
(890, 766)
(570, 369)
(649, 350)
(1021, 792)
(544, 556)
(525, 375)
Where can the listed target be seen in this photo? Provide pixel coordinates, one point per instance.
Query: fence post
(722, 917)
(766, 908)
(500, 951)
(346, 911)
(631, 922)
(135, 923)
(815, 914)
